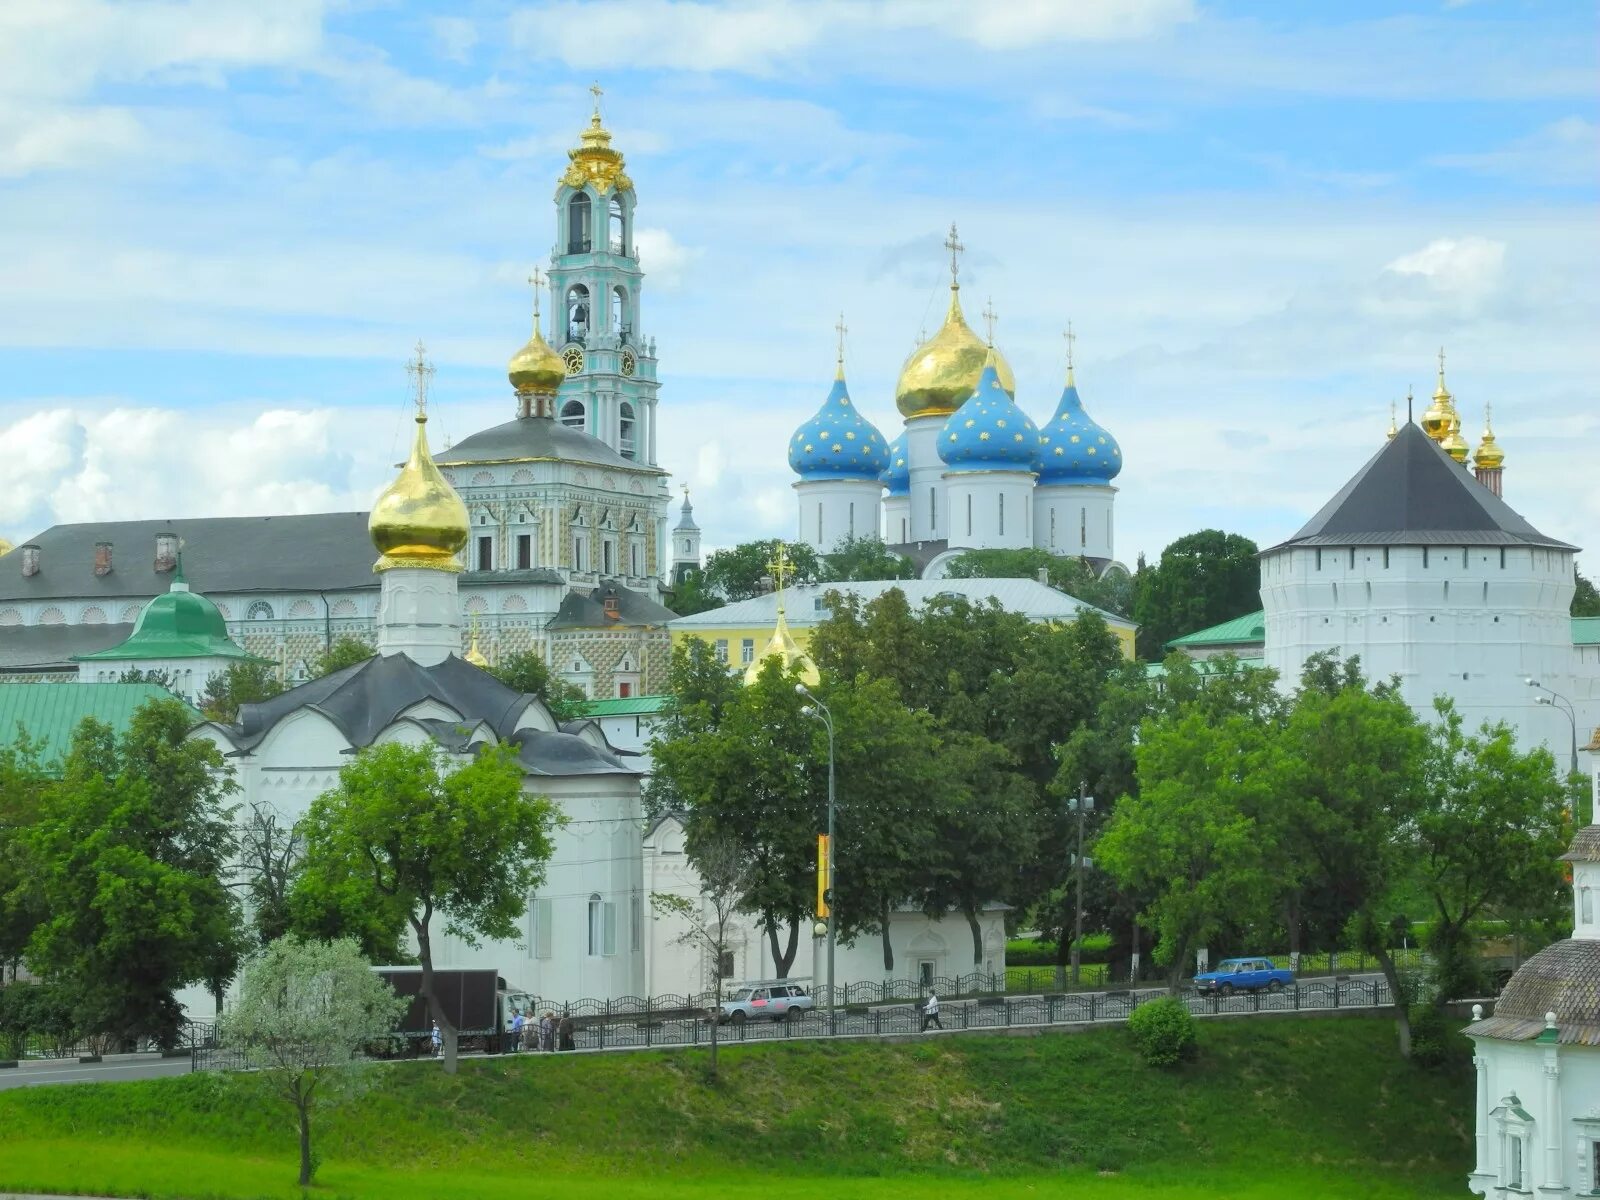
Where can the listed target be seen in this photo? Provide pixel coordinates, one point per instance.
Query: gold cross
(953, 244)
(1071, 337)
(536, 281)
(421, 372)
(779, 567)
(686, 493)
(841, 329)
(596, 91)
(1441, 362)
(989, 318)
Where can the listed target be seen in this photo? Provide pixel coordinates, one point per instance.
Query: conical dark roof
(1412, 493)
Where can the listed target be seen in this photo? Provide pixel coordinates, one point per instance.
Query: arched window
(259, 611)
(625, 430)
(620, 324)
(572, 414)
(577, 313)
(596, 923)
(619, 227)
(578, 237)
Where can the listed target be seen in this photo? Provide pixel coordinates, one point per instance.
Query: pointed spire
(1071, 338)
(953, 244)
(536, 281)
(1441, 392)
(1394, 428)
(841, 329)
(989, 318)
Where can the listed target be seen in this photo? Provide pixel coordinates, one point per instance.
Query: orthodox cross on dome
(536, 281)
(841, 329)
(989, 318)
(780, 568)
(596, 91)
(1071, 338)
(953, 244)
(421, 372)
(686, 493)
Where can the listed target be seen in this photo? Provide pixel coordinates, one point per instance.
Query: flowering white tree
(305, 1009)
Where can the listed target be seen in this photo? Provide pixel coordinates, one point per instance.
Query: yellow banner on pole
(824, 883)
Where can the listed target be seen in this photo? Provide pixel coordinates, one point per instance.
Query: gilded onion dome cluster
(896, 477)
(943, 371)
(838, 442)
(1073, 447)
(989, 432)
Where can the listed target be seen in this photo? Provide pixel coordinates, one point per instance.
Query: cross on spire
(536, 281)
(421, 372)
(779, 568)
(686, 493)
(1071, 338)
(841, 329)
(1441, 362)
(953, 244)
(989, 318)
(596, 91)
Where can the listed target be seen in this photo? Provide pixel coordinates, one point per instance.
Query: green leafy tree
(1585, 597)
(270, 852)
(865, 558)
(344, 652)
(303, 1013)
(689, 595)
(402, 831)
(702, 690)
(528, 673)
(743, 571)
(244, 682)
(128, 857)
(23, 785)
(1202, 579)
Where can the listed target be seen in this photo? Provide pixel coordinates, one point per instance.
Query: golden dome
(474, 655)
(1440, 417)
(5, 547)
(943, 371)
(1454, 444)
(419, 521)
(593, 160)
(536, 368)
(1488, 456)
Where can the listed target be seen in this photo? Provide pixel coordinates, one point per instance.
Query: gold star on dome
(808, 447)
(1017, 436)
(898, 461)
(984, 436)
(1059, 451)
(1001, 422)
(1091, 449)
(849, 437)
(1102, 441)
(1074, 439)
(837, 448)
(970, 423)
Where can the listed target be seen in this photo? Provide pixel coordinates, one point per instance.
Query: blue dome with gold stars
(897, 475)
(1073, 448)
(838, 443)
(989, 432)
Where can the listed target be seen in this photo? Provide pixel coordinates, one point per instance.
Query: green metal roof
(50, 712)
(1585, 631)
(626, 706)
(1206, 666)
(176, 624)
(1252, 627)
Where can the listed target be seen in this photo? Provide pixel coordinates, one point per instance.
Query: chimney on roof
(102, 558)
(1044, 576)
(610, 605)
(166, 552)
(30, 559)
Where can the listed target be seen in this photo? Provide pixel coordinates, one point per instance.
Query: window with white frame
(636, 922)
(747, 651)
(719, 649)
(596, 924)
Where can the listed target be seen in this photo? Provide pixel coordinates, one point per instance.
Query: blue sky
(223, 226)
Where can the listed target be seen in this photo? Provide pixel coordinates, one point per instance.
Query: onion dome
(1439, 417)
(594, 161)
(536, 369)
(419, 521)
(5, 547)
(1073, 448)
(474, 655)
(989, 432)
(897, 475)
(838, 443)
(943, 371)
(176, 624)
(1488, 456)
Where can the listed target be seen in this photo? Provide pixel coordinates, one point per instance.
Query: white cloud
(40, 139)
(455, 36)
(1452, 275)
(663, 257)
(1565, 153)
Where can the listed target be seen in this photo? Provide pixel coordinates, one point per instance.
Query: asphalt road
(41, 1071)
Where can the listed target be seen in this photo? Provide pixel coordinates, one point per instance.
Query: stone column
(1551, 1120)
(1482, 1066)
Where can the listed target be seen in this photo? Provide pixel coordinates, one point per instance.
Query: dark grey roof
(1585, 845)
(920, 553)
(363, 700)
(1412, 493)
(529, 439)
(1564, 979)
(586, 610)
(51, 647)
(312, 552)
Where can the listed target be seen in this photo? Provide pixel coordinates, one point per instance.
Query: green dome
(177, 624)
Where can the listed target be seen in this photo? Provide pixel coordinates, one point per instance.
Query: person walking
(516, 1030)
(437, 1039)
(547, 1032)
(930, 1012)
(564, 1031)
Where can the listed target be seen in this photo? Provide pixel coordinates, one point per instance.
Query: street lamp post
(1551, 698)
(816, 708)
(1082, 804)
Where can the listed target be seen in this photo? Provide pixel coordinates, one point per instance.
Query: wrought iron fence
(665, 1020)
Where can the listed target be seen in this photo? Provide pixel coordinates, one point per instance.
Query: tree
(1585, 597)
(703, 688)
(127, 858)
(404, 832)
(865, 558)
(527, 672)
(270, 853)
(23, 783)
(1111, 591)
(689, 595)
(163, 679)
(303, 1012)
(710, 923)
(248, 681)
(344, 652)
(739, 573)
(1202, 579)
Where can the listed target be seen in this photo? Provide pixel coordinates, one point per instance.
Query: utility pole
(1081, 804)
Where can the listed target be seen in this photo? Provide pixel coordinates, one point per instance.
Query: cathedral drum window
(572, 358)
(629, 364)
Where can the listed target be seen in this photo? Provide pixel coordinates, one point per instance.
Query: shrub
(1432, 1036)
(1163, 1031)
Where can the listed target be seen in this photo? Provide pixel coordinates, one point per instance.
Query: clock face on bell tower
(572, 356)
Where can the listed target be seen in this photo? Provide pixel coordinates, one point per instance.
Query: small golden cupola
(1440, 420)
(1488, 455)
(419, 521)
(943, 372)
(594, 161)
(536, 370)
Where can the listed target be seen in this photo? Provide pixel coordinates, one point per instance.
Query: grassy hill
(1311, 1107)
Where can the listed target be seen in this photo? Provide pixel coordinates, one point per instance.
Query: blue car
(1243, 975)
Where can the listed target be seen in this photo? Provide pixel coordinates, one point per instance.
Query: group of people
(546, 1032)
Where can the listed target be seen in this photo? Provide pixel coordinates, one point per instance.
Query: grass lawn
(1280, 1108)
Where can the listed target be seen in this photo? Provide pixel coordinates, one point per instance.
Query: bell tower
(595, 283)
